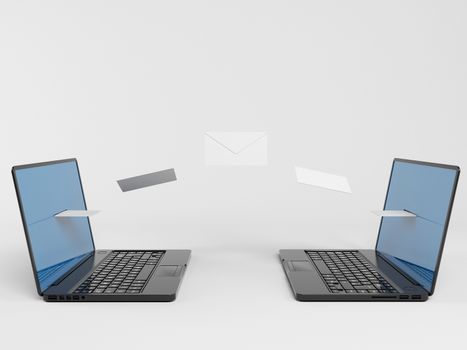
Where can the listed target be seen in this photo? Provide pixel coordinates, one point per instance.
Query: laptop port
(75, 297)
(404, 297)
(52, 297)
(418, 297)
(68, 297)
(61, 297)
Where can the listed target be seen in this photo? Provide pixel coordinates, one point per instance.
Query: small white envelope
(76, 213)
(236, 148)
(394, 213)
(323, 180)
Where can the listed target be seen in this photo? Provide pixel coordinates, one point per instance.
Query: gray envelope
(151, 179)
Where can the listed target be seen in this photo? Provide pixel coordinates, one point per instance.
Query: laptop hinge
(400, 271)
(61, 278)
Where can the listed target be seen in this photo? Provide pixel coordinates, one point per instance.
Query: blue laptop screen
(56, 244)
(413, 244)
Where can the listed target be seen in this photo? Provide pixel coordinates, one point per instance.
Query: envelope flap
(236, 142)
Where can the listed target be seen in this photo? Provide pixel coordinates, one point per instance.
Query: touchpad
(168, 270)
(301, 265)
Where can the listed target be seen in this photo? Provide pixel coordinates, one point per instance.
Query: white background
(130, 87)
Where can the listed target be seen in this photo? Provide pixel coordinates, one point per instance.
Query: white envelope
(322, 179)
(76, 213)
(236, 148)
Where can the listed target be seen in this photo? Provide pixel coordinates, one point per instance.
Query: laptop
(65, 263)
(405, 262)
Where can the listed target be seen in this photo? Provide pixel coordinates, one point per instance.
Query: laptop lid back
(415, 244)
(56, 245)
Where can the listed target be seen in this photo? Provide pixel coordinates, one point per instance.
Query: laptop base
(308, 284)
(161, 286)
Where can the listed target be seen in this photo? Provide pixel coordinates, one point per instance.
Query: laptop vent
(383, 297)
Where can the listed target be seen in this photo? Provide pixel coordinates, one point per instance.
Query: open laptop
(66, 265)
(405, 263)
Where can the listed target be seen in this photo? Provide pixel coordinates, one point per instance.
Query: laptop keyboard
(121, 272)
(349, 272)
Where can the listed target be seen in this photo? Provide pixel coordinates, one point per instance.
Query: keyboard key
(346, 285)
(145, 272)
(323, 269)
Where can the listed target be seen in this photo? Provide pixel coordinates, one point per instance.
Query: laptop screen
(414, 244)
(56, 244)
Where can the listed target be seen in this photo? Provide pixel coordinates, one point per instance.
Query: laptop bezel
(448, 217)
(21, 208)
